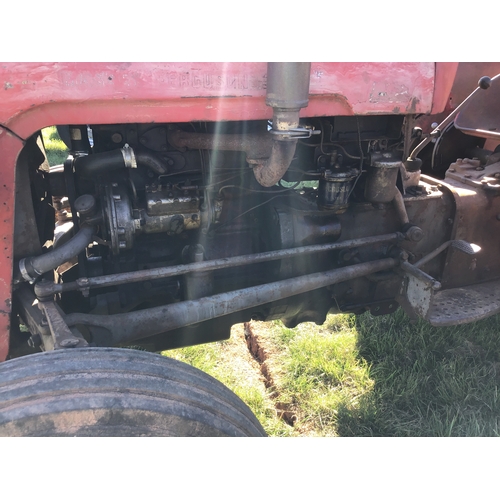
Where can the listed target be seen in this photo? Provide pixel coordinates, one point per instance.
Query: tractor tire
(116, 392)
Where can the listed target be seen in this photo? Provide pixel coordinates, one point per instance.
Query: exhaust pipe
(287, 93)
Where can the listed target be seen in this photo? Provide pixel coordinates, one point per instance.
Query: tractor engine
(176, 231)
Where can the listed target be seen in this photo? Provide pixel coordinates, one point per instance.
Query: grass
(372, 376)
(429, 381)
(55, 149)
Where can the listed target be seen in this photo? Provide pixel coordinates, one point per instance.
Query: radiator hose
(34, 267)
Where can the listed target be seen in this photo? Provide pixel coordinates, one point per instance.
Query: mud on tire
(116, 392)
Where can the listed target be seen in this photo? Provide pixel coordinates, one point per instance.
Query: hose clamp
(24, 271)
(129, 157)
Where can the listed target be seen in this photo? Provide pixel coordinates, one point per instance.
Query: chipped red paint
(37, 95)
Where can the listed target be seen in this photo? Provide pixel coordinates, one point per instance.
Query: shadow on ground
(427, 381)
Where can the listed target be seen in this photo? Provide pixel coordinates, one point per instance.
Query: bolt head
(69, 342)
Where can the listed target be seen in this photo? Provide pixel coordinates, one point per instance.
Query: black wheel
(116, 392)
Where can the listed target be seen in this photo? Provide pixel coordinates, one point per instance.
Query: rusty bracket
(62, 335)
(417, 290)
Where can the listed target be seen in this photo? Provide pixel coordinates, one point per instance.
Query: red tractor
(201, 195)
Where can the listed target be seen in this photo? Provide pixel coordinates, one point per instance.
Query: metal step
(458, 306)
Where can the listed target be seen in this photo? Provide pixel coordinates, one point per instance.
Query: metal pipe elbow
(273, 169)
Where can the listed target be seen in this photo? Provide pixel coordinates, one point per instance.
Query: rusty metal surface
(471, 172)
(131, 326)
(476, 221)
(381, 181)
(418, 297)
(256, 146)
(273, 169)
(465, 305)
(399, 206)
(433, 212)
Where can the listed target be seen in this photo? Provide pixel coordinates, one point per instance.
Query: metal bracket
(296, 133)
(417, 291)
(62, 335)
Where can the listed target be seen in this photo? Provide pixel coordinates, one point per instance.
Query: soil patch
(263, 353)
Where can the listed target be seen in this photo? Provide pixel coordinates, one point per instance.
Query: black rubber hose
(33, 267)
(150, 160)
(91, 165)
(98, 163)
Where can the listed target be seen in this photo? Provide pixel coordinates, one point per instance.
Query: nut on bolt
(403, 255)
(414, 234)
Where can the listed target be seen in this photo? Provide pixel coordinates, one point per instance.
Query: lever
(413, 163)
